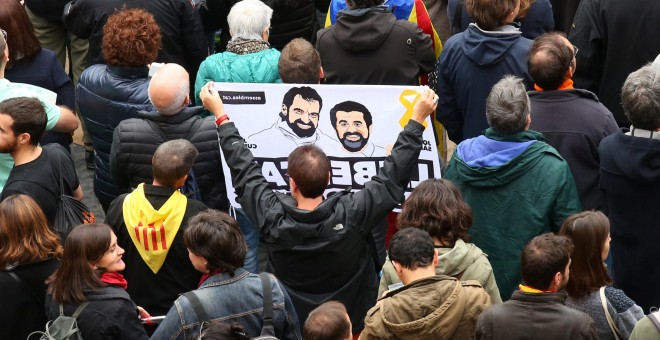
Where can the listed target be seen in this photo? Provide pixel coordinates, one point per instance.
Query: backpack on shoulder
(267, 329)
(64, 327)
(191, 187)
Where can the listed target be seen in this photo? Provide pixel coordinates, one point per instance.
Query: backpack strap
(197, 307)
(78, 310)
(610, 321)
(655, 319)
(267, 328)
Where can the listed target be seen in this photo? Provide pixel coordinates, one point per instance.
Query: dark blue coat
(106, 96)
(470, 64)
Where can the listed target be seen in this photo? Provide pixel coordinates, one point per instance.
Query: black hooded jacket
(370, 46)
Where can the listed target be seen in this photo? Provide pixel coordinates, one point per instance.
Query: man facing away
(474, 60)
(517, 185)
(37, 170)
(630, 177)
(573, 120)
(537, 310)
(149, 224)
(320, 248)
(329, 321)
(428, 306)
(135, 140)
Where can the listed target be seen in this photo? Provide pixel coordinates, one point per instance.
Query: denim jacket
(232, 299)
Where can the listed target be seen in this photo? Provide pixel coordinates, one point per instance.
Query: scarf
(153, 231)
(566, 85)
(242, 46)
(114, 279)
(528, 289)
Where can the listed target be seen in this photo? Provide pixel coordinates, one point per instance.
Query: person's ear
(321, 74)
(435, 259)
(284, 110)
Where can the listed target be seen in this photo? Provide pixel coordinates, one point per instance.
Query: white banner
(355, 125)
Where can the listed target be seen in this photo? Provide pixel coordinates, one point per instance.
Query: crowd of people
(541, 226)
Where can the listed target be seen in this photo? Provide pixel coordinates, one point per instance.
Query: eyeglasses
(4, 34)
(575, 51)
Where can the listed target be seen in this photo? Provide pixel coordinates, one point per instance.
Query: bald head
(168, 89)
(551, 60)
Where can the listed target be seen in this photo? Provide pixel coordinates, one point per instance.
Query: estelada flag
(153, 231)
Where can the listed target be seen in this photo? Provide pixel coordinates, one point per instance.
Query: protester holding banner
(319, 248)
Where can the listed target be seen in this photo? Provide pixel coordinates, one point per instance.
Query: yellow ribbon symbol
(408, 98)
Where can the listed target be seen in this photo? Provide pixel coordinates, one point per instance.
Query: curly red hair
(131, 37)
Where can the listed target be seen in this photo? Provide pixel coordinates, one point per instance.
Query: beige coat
(437, 307)
(465, 259)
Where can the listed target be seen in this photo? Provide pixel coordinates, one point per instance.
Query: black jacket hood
(372, 33)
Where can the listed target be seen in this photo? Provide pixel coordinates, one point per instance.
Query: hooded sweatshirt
(370, 46)
(630, 177)
(518, 187)
(470, 64)
(464, 261)
(437, 307)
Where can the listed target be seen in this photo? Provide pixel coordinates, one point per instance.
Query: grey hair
(640, 96)
(248, 19)
(507, 106)
(176, 103)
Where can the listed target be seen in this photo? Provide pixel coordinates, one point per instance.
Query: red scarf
(207, 275)
(566, 85)
(114, 279)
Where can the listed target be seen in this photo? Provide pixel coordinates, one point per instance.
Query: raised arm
(385, 190)
(245, 172)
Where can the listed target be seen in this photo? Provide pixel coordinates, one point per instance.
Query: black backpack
(191, 187)
(267, 330)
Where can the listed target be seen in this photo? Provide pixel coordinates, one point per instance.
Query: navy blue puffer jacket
(106, 96)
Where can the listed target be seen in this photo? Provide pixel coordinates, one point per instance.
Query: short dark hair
(306, 92)
(222, 330)
(22, 40)
(216, 237)
(543, 257)
(29, 116)
(549, 59)
(412, 248)
(588, 230)
(309, 167)
(490, 14)
(327, 322)
(131, 37)
(349, 106)
(299, 63)
(640, 98)
(437, 207)
(173, 160)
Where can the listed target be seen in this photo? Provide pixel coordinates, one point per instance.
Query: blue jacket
(228, 67)
(106, 96)
(470, 64)
(237, 298)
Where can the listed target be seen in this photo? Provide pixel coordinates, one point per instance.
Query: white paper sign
(355, 125)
